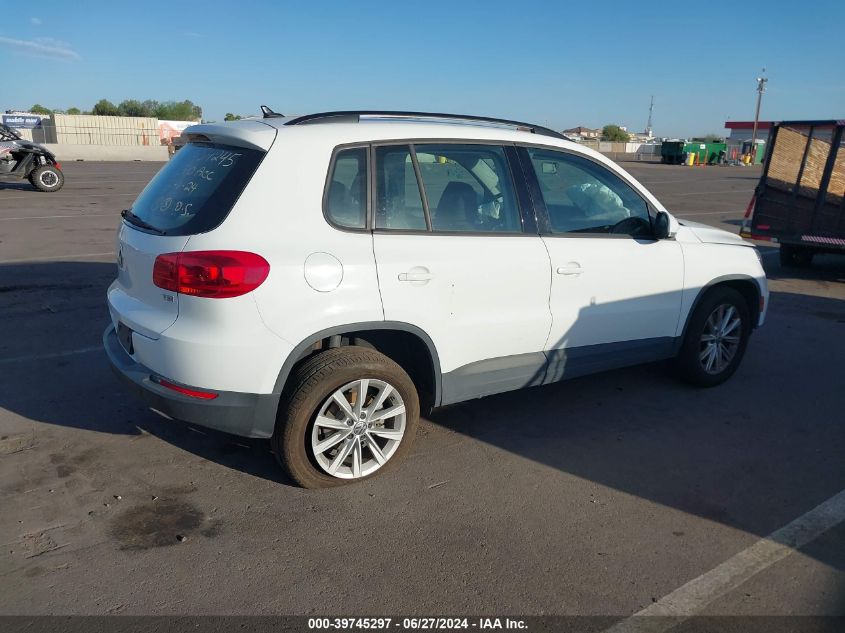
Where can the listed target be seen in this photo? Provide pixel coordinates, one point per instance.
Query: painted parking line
(54, 257)
(693, 597)
(33, 357)
(56, 217)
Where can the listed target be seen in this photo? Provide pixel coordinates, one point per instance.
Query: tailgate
(133, 297)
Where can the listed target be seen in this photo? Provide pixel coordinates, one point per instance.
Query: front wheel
(716, 338)
(349, 412)
(47, 178)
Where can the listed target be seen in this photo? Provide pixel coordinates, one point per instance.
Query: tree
(132, 107)
(104, 107)
(73, 110)
(168, 110)
(613, 132)
(150, 106)
(232, 117)
(179, 111)
(40, 109)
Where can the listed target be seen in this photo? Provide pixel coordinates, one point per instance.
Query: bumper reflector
(194, 393)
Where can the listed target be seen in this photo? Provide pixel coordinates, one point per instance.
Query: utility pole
(648, 125)
(761, 88)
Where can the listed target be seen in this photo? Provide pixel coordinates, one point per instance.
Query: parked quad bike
(24, 160)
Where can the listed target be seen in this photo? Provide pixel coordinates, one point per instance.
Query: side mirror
(661, 225)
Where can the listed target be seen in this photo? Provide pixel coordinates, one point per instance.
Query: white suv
(315, 279)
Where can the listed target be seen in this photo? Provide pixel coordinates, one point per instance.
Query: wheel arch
(402, 342)
(746, 285)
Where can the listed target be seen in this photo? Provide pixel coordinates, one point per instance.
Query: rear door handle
(570, 269)
(416, 275)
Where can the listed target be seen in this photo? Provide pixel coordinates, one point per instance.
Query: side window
(584, 197)
(398, 199)
(346, 196)
(468, 188)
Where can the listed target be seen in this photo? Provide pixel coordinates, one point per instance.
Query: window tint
(468, 188)
(398, 199)
(346, 196)
(584, 197)
(195, 191)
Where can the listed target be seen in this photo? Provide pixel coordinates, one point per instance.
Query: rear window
(196, 190)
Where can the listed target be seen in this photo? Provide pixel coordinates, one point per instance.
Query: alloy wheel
(720, 339)
(358, 428)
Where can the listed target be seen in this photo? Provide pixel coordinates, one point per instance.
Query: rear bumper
(245, 414)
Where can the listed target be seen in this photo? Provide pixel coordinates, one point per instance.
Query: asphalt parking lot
(600, 495)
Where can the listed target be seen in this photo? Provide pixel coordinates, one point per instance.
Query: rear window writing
(196, 190)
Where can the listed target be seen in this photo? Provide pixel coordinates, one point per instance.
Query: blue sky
(556, 63)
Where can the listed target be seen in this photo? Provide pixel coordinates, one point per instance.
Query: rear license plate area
(124, 335)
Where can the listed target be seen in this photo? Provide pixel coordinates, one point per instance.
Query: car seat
(457, 209)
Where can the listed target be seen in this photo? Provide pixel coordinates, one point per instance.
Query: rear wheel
(47, 178)
(795, 256)
(716, 338)
(349, 413)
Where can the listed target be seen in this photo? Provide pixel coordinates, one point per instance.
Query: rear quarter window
(195, 191)
(346, 193)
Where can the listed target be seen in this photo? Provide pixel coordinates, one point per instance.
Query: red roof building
(740, 132)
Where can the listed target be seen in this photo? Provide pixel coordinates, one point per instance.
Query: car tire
(715, 339)
(795, 257)
(47, 178)
(310, 402)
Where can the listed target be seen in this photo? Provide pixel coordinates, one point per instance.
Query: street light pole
(761, 88)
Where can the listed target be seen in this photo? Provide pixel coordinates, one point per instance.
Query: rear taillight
(211, 274)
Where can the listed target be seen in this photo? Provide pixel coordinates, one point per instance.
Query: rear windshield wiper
(130, 217)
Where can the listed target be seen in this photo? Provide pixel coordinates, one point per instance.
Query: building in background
(641, 137)
(739, 138)
(169, 130)
(581, 132)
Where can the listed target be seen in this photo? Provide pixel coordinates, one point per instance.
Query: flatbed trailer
(800, 199)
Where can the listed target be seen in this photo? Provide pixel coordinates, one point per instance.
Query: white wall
(70, 152)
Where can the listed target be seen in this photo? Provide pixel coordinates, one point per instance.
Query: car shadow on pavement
(55, 370)
(753, 453)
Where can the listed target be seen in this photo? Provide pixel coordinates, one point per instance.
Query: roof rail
(354, 116)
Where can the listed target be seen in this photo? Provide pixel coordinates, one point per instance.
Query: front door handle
(418, 274)
(572, 268)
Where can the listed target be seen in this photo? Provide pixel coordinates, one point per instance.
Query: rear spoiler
(246, 133)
